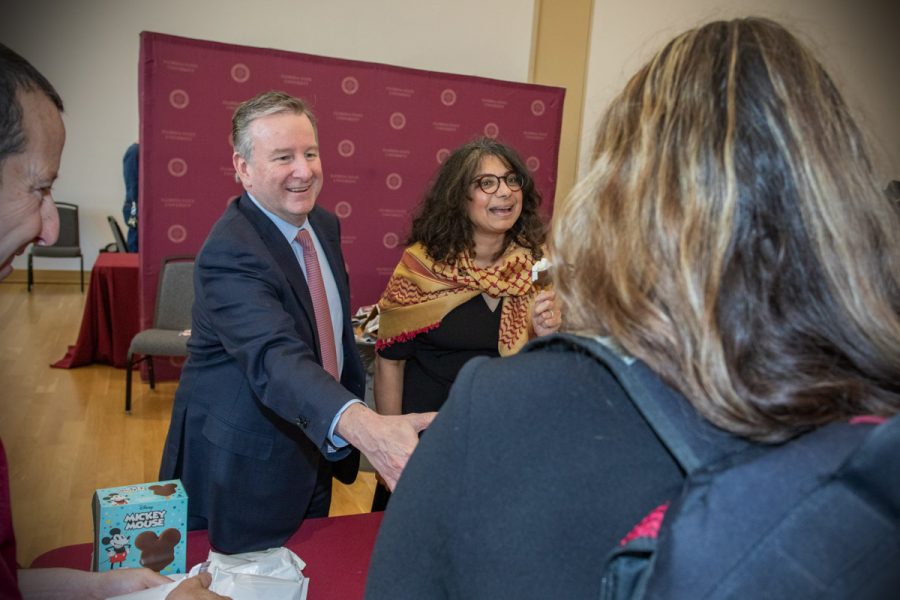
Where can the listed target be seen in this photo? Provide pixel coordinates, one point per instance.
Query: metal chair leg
(128, 367)
(150, 372)
(30, 272)
(81, 258)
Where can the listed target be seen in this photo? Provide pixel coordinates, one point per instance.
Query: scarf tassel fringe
(404, 337)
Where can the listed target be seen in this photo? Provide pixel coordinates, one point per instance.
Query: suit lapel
(284, 258)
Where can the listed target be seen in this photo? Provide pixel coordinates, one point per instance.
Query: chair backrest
(121, 246)
(175, 294)
(68, 243)
(69, 236)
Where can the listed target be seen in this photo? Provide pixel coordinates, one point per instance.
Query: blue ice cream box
(142, 525)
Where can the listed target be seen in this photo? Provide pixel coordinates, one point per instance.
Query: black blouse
(434, 358)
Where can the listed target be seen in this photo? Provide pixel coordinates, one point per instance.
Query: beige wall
(89, 50)
(562, 38)
(858, 41)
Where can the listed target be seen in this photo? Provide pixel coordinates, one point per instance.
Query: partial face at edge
(27, 211)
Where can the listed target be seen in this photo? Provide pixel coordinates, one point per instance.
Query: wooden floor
(65, 430)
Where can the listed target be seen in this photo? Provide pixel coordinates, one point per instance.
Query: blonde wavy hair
(730, 234)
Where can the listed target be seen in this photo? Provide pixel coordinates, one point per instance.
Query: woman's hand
(545, 315)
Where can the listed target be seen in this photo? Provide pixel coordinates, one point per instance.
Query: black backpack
(816, 517)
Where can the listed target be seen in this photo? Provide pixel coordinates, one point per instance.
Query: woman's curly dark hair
(441, 221)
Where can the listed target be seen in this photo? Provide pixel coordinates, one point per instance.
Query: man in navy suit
(258, 425)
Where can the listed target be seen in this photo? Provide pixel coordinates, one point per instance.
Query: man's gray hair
(263, 105)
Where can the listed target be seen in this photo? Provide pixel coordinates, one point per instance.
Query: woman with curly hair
(463, 286)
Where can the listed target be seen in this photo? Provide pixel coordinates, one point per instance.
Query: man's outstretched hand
(386, 440)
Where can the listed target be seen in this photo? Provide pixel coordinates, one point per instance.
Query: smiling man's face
(284, 172)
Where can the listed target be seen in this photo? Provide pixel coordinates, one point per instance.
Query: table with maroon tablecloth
(336, 551)
(111, 313)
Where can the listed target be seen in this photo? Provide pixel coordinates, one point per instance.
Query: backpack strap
(691, 440)
(816, 517)
(873, 471)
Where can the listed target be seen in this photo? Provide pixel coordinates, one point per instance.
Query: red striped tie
(320, 304)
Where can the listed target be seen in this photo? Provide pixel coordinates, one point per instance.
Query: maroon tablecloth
(336, 551)
(111, 314)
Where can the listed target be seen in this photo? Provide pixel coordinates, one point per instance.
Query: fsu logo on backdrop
(492, 130)
(393, 181)
(346, 148)
(533, 163)
(240, 72)
(538, 107)
(177, 167)
(349, 85)
(442, 155)
(343, 209)
(177, 234)
(398, 120)
(390, 240)
(179, 99)
(448, 97)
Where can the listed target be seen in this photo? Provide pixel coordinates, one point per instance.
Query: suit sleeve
(243, 296)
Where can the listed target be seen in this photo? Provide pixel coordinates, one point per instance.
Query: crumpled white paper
(274, 574)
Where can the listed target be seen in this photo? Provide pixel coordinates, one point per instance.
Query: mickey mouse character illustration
(116, 499)
(118, 547)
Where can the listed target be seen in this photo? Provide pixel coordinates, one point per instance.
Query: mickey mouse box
(143, 525)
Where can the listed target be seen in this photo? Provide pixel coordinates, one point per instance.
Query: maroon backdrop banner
(383, 131)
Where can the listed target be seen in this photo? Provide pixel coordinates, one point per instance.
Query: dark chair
(120, 245)
(172, 317)
(67, 246)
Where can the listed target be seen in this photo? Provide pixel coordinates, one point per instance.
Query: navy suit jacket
(253, 408)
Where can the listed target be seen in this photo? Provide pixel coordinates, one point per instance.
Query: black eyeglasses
(491, 183)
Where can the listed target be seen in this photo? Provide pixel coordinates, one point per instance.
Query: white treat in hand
(540, 273)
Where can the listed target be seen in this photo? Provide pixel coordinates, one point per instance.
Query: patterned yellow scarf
(421, 291)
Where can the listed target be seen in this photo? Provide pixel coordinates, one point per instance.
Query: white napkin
(274, 574)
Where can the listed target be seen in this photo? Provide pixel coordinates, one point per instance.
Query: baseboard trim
(47, 276)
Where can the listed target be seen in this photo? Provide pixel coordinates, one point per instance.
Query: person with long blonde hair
(730, 234)
(739, 243)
